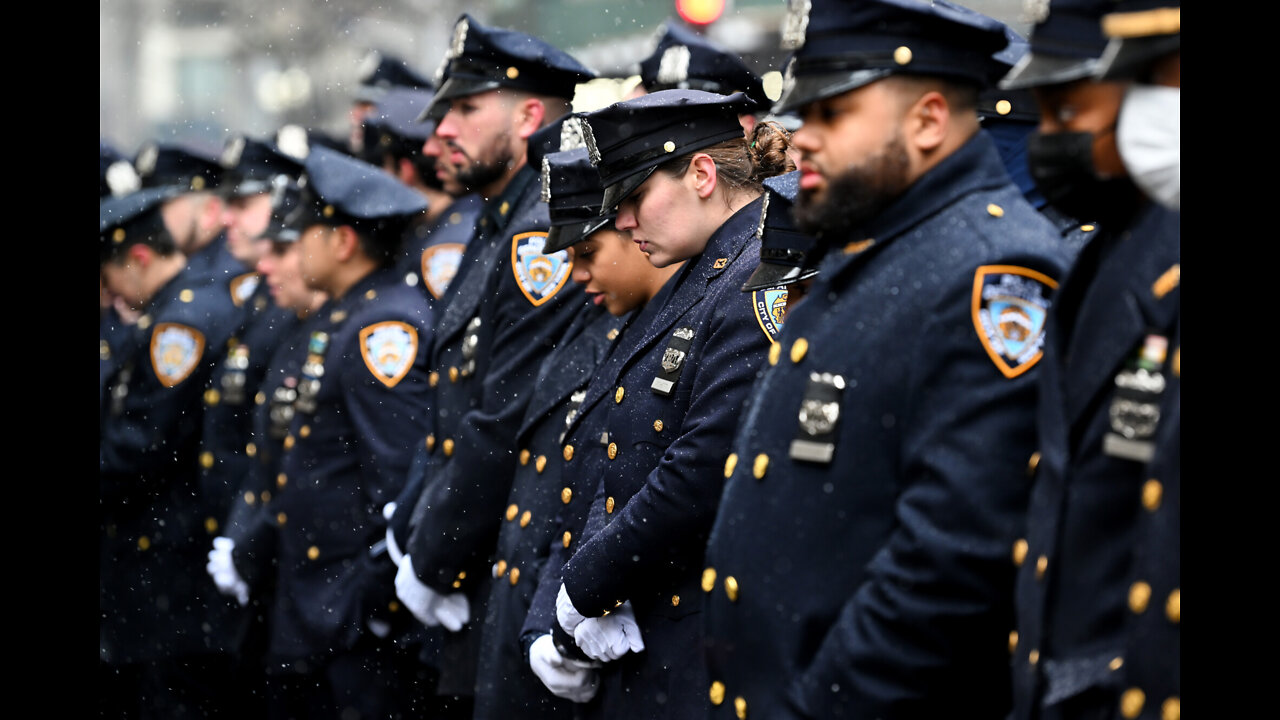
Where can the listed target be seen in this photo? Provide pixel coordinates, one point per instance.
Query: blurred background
(196, 71)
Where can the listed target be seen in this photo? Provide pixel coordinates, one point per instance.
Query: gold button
(313, 552)
(608, 505)
(567, 537)
(540, 464)
(524, 457)
(337, 316)
(260, 398)
(251, 450)
(393, 606)
(902, 55)
(617, 395)
(281, 479)
(708, 579)
(512, 511)
(186, 296)
(1003, 107)
(669, 146)
(731, 588)
(206, 459)
(248, 497)
(462, 575)
(502, 568)
(281, 518)
(717, 692)
(1131, 702)
(675, 600)
(1042, 564)
(730, 463)
(657, 426)
(774, 351)
(525, 517)
(431, 442)
(1173, 606)
(370, 294)
(210, 525)
(144, 322)
(568, 453)
(513, 73)
(1116, 663)
(515, 575)
(265, 496)
(1013, 641)
(1171, 709)
(118, 235)
(566, 495)
(1019, 552)
(1033, 657)
(1177, 362)
(453, 374)
(144, 542)
(447, 446)
(1152, 490)
(304, 431)
(1033, 463)
(504, 207)
(798, 349)
(1139, 596)
(761, 466)
(433, 378)
(740, 707)
(995, 210)
(212, 396)
(457, 584)
(1086, 228)
(289, 440)
(613, 450)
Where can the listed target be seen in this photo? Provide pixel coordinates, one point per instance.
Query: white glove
(223, 570)
(430, 607)
(610, 637)
(564, 677)
(566, 614)
(393, 548)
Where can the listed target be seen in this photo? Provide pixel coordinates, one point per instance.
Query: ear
(212, 212)
(140, 255)
(346, 242)
(528, 117)
(927, 121)
(406, 172)
(702, 173)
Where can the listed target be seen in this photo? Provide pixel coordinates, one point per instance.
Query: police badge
(389, 349)
(539, 276)
(312, 372)
(1010, 304)
(439, 265)
(771, 310)
(672, 363)
(1135, 407)
(815, 440)
(175, 352)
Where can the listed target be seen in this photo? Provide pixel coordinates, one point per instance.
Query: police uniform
(117, 178)
(684, 60)
(1098, 590)
(858, 566)
(669, 394)
(153, 592)
(789, 257)
(504, 311)
(361, 406)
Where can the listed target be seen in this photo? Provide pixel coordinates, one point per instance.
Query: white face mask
(1149, 142)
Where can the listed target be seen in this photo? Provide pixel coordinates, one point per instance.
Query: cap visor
(809, 88)
(455, 87)
(1129, 57)
(1040, 70)
(769, 275)
(560, 237)
(617, 192)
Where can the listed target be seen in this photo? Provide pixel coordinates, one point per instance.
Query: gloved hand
(610, 637)
(564, 677)
(566, 614)
(393, 547)
(223, 571)
(430, 607)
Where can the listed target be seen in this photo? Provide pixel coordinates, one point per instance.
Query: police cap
(340, 190)
(786, 255)
(562, 134)
(1065, 44)
(628, 140)
(482, 58)
(249, 165)
(132, 218)
(1140, 32)
(286, 194)
(842, 46)
(392, 126)
(380, 72)
(998, 104)
(572, 190)
(176, 166)
(683, 59)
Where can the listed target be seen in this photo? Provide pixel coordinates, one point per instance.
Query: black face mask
(1062, 168)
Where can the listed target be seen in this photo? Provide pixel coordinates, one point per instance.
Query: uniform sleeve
(940, 590)
(460, 509)
(671, 515)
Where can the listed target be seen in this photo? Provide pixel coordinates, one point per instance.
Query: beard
(856, 195)
(483, 173)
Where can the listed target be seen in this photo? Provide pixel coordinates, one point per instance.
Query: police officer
(115, 321)
(379, 72)
(1098, 599)
(361, 406)
(159, 655)
(685, 184)
(434, 245)
(505, 309)
(859, 563)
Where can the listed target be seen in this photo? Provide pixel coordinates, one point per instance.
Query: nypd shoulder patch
(771, 310)
(1010, 304)
(176, 349)
(539, 276)
(439, 265)
(243, 287)
(389, 349)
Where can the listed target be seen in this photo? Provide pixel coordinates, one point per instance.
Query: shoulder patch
(539, 276)
(389, 349)
(175, 351)
(771, 310)
(242, 287)
(439, 265)
(1010, 304)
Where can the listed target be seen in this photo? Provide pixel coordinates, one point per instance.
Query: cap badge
(1035, 11)
(545, 195)
(122, 178)
(292, 141)
(146, 162)
(795, 24)
(232, 152)
(589, 139)
(674, 65)
(571, 134)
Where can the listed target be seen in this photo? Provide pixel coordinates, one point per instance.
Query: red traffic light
(700, 12)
